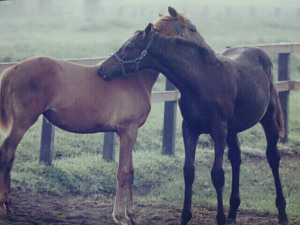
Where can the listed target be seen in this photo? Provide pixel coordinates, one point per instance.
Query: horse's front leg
(125, 179)
(190, 138)
(219, 135)
(130, 212)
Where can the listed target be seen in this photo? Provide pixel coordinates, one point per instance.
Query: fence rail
(284, 86)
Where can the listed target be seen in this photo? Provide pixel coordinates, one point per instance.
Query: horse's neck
(147, 78)
(177, 62)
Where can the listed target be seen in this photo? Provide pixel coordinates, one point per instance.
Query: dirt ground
(48, 209)
(36, 208)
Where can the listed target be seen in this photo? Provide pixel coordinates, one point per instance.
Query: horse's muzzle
(102, 73)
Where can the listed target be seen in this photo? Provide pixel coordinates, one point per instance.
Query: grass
(88, 174)
(78, 168)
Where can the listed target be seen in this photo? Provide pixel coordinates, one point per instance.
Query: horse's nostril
(99, 70)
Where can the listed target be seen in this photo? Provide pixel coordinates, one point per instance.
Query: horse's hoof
(122, 220)
(2, 211)
(9, 209)
(134, 221)
(230, 221)
(284, 223)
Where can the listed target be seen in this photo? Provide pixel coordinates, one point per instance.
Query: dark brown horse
(220, 95)
(74, 98)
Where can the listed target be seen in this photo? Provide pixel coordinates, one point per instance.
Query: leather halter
(135, 61)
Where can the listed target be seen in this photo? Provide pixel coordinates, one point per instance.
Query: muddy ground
(37, 208)
(48, 209)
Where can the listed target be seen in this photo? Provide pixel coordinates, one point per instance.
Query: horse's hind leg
(7, 156)
(7, 185)
(272, 135)
(234, 155)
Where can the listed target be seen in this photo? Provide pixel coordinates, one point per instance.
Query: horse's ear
(160, 15)
(173, 13)
(208, 54)
(148, 29)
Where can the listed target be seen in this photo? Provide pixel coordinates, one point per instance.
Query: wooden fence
(284, 86)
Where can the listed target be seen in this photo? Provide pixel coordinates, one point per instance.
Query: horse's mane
(184, 41)
(159, 25)
(165, 44)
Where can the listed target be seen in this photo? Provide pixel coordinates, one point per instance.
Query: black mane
(171, 41)
(166, 43)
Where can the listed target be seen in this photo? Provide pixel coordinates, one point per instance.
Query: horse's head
(176, 24)
(130, 57)
(173, 24)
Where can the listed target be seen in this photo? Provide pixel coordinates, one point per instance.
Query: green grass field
(76, 30)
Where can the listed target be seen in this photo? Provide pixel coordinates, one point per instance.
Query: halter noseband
(136, 61)
(200, 41)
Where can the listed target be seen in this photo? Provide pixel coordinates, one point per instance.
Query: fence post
(47, 140)
(109, 146)
(169, 126)
(283, 74)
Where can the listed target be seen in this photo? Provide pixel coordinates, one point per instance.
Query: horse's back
(247, 54)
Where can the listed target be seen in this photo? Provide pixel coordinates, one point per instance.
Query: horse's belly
(251, 103)
(77, 122)
(245, 117)
(79, 115)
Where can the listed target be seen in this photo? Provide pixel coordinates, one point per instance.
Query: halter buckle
(144, 53)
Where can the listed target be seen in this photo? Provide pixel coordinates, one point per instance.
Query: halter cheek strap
(181, 34)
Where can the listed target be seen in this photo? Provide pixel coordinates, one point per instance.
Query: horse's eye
(128, 47)
(192, 29)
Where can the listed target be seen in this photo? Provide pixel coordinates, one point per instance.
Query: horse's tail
(6, 117)
(279, 117)
(267, 64)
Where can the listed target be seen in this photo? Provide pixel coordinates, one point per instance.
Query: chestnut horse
(74, 98)
(220, 95)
